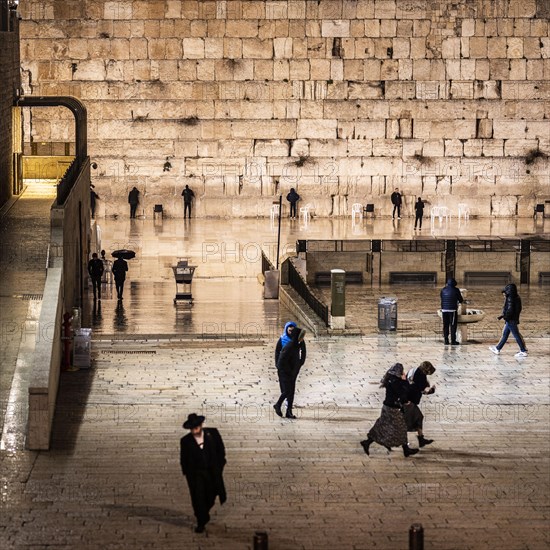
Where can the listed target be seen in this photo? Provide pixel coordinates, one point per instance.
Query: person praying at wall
(133, 200)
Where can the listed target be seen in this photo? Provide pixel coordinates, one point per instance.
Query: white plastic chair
(274, 213)
(440, 212)
(305, 212)
(463, 211)
(356, 210)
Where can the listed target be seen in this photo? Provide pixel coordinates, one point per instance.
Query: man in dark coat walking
(202, 459)
(450, 298)
(120, 267)
(95, 269)
(188, 197)
(290, 360)
(133, 200)
(396, 200)
(510, 314)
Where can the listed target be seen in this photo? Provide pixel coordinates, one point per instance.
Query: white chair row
(305, 212)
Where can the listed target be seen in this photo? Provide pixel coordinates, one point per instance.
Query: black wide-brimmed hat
(193, 420)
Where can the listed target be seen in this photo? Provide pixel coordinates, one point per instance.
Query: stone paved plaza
(112, 477)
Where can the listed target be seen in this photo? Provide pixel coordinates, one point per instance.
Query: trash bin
(387, 313)
(82, 344)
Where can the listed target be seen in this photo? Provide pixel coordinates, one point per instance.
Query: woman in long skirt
(418, 386)
(390, 430)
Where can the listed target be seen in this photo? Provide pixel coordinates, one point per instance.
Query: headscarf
(427, 368)
(285, 338)
(395, 370)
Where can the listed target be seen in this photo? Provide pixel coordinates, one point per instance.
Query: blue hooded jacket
(450, 296)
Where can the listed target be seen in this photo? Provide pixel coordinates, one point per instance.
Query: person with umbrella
(202, 460)
(119, 269)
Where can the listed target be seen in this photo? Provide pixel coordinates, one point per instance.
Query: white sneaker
(521, 354)
(494, 350)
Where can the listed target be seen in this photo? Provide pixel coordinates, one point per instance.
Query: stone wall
(10, 84)
(342, 99)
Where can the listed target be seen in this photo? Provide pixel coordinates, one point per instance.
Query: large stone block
(316, 129)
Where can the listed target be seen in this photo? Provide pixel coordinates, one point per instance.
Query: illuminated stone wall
(342, 99)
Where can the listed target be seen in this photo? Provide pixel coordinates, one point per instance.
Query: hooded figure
(202, 460)
(510, 313)
(289, 361)
(390, 430)
(293, 198)
(450, 298)
(419, 386)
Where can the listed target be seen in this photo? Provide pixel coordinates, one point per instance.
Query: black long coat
(203, 469)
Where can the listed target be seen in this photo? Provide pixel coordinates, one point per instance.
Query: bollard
(416, 537)
(260, 540)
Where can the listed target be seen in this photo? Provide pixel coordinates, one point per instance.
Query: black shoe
(290, 415)
(455, 343)
(422, 441)
(407, 451)
(366, 444)
(199, 529)
(446, 342)
(278, 410)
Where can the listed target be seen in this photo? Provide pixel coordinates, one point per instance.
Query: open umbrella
(124, 254)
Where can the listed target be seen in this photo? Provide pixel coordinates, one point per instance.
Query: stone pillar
(338, 302)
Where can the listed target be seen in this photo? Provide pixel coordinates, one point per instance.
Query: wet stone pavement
(112, 478)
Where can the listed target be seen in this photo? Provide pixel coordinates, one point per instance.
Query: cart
(183, 274)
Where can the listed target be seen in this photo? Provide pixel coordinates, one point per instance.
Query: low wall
(305, 316)
(46, 363)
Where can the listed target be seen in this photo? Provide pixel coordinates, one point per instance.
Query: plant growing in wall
(421, 159)
(303, 160)
(533, 154)
(189, 121)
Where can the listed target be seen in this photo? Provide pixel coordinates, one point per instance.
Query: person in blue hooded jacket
(450, 298)
(290, 355)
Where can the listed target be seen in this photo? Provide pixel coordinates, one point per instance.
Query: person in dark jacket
(450, 298)
(293, 198)
(95, 269)
(390, 430)
(188, 197)
(289, 363)
(120, 267)
(93, 198)
(418, 212)
(419, 386)
(133, 200)
(510, 314)
(202, 460)
(396, 200)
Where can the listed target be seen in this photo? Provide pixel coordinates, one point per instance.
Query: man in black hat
(202, 459)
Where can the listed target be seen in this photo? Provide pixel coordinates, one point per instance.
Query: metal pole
(416, 537)
(279, 230)
(260, 540)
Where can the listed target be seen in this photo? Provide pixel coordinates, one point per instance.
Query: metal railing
(298, 283)
(67, 182)
(267, 264)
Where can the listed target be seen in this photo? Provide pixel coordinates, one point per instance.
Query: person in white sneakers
(510, 314)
